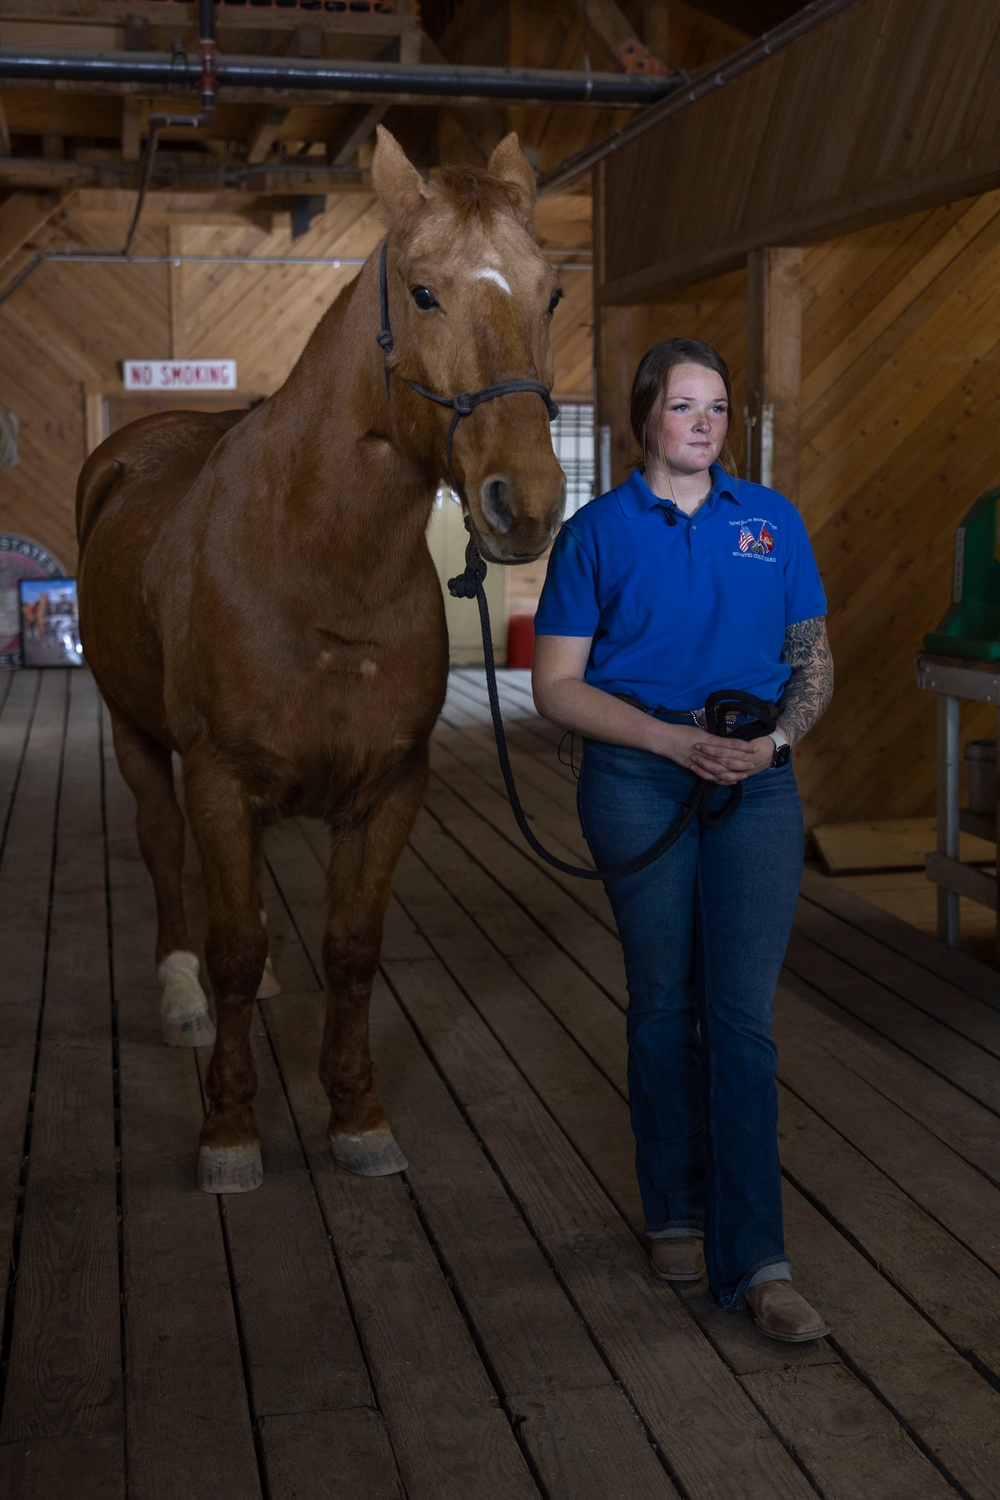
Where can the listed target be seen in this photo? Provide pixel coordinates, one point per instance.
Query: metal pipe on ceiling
(698, 87)
(163, 71)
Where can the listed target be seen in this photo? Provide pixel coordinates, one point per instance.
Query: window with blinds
(573, 441)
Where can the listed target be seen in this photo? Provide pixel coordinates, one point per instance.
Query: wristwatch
(782, 749)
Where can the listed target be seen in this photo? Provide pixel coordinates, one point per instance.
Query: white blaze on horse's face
(490, 273)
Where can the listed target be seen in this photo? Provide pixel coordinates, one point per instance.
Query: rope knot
(468, 584)
(464, 404)
(385, 341)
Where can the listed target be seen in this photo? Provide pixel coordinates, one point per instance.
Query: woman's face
(688, 426)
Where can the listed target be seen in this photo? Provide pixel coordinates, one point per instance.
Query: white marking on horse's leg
(489, 273)
(269, 986)
(374, 1153)
(229, 1169)
(183, 1007)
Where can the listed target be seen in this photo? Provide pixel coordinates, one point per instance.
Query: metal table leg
(948, 923)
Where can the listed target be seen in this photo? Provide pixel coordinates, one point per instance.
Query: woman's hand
(713, 758)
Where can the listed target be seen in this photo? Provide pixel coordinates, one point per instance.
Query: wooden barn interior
(815, 191)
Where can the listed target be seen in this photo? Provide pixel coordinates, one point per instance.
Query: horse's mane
(473, 193)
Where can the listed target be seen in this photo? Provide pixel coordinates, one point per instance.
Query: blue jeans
(704, 931)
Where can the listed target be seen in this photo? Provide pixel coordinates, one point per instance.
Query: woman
(677, 584)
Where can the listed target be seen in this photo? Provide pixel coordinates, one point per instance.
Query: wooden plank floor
(484, 1327)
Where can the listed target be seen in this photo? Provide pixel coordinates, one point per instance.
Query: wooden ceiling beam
(264, 134)
(342, 150)
(102, 23)
(608, 22)
(178, 209)
(103, 170)
(23, 215)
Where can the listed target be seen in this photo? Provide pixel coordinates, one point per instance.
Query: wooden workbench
(952, 679)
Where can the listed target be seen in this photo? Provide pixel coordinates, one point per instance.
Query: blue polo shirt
(679, 612)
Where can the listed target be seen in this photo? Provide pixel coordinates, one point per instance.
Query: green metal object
(971, 626)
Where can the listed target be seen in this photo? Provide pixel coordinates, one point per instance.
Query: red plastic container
(520, 638)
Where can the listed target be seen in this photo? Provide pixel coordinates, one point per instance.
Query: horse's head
(470, 300)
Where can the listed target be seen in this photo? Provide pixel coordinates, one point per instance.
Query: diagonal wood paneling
(67, 329)
(900, 406)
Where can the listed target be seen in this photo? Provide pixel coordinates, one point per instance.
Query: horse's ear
(399, 186)
(509, 163)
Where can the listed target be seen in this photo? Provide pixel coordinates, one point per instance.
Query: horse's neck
(351, 472)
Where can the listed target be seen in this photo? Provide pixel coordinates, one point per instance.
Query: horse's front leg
(235, 951)
(359, 881)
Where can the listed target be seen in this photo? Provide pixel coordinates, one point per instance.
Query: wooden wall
(877, 111)
(64, 333)
(900, 415)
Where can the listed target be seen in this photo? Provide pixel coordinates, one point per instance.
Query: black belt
(697, 715)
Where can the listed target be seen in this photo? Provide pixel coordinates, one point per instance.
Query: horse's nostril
(496, 507)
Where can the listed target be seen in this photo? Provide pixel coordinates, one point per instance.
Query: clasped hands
(714, 758)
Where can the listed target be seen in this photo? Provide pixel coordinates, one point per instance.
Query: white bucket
(981, 766)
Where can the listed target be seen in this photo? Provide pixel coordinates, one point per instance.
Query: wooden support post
(4, 132)
(614, 357)
(774, 367)
(94, 419)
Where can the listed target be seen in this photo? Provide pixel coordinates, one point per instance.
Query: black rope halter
(465, 403)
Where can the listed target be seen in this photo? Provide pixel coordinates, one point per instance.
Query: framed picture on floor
(50, 623)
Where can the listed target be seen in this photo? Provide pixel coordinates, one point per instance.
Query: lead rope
(469, 585)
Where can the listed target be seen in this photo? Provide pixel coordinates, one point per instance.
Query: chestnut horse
(257, 596)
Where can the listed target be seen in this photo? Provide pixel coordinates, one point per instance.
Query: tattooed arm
(810, 687)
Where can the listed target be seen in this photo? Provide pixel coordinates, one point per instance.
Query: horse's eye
(424, 298)
(556, 298)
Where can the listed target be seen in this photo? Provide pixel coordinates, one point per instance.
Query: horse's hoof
(269, 986)
(229, 1169)
(371, 1154)
(183, 1007)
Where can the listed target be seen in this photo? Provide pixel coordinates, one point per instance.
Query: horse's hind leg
(148, 771)
(235, 950)
(359, 881)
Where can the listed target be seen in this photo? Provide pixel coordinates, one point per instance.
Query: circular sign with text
(19, 558)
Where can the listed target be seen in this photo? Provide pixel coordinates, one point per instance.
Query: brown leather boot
(781, 1313)
(677, 1260)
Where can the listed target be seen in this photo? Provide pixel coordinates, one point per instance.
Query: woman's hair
(653, 377)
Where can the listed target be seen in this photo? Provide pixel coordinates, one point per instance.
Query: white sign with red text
(180, 374)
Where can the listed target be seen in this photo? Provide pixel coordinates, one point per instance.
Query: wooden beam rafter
(21, 216)
(264, 134)
(607, 21)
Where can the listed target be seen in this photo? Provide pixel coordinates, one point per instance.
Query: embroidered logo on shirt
(759, 545)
